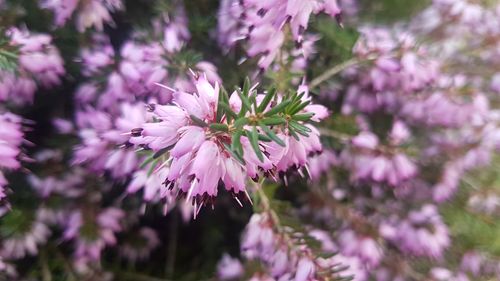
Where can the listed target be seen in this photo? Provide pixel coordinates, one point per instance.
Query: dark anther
(136, 132)
(262, 12)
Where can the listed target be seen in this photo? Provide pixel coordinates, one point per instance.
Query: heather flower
(320, 164)
(11, 139)
(135, 75)
(370, 163)
(39, 64)
(488, 204)
(191, 143)
(283, 257)
(26, 233)
(101, 137)
(442, 274)
(139, 245)
(262, 24)
(68, 186)
(93, 13)
(364, 247)
(91, 235)
(229, 268)
(175, 31)
(423, 233)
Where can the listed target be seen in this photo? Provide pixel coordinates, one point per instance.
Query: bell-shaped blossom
(145, 240)
(190, 144)
(262, 24)
(92, 234)
(24, 242)
(229, 268)
(93, 13)
(39, 64)
(11, 139)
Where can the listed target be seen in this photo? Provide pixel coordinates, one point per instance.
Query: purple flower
(229, 268)
(11, 139)
(39, 64)
(25, 241)
(140, 245)
(262, 24)
(90, 13)
(92, 234)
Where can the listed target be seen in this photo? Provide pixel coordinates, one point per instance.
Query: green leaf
(299, 128)
(246, 86)
(146, 161)
(303, 116)
(270, 121)
(293, 134)
(264, 138)
(253, 137)
(267, 99)
(240, 122)
(271, 134)
(278, 108)
(228, 111)
(153, 166)
(224, 95)
(236, 142)
(299, 107)
(197, 121)
(235, 155)
(220, 109)
(246, 106)
(162, 151)
(219, 127)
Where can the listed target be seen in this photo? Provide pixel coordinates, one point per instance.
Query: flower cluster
(94, 13)
(246, 135)
(261, 241)
(11, 139)
(40, 64)
(264, 24)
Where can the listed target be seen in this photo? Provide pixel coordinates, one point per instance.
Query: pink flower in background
(229, 268)
(40, 64)
(93, 13)
(363, 247)
(92, 234)
(190, 145)
(262, 24)
(11, 139)
(140, 246)
(423, 233)
(23, 242)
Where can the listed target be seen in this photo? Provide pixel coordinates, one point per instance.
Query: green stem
(334, 134)
(8, 54)
(337, 69)
(46, 275)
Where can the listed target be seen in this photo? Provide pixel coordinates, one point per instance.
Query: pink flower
(90, 13)
(305, 270)
(92, 234)
(190, 144)
(140, 245)
(23, 242)
(229, 268)
(11, 139)
(39, 63)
